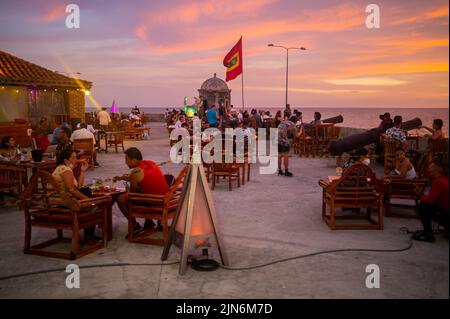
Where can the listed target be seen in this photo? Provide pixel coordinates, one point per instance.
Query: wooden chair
(86, 145)
(247, 161)
(322, 138)
(389, 147)
(438, 150)
(151, 206)
(358, 188)
(117, 139)
(12, 179)
(230, 170)
(304, 144)
(45, 207)
(334, 133)
(402, 188)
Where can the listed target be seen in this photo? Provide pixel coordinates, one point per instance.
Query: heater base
(204, 264)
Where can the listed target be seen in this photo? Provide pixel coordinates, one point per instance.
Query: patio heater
(195, 226)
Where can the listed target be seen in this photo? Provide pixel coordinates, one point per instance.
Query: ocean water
(353, 117)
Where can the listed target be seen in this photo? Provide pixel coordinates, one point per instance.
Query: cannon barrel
(412, 124)
(355, 141)
(334, 120)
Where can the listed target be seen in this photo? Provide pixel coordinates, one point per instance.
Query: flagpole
(242, 79)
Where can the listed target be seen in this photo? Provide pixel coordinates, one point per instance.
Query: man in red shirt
(145, 177)
(434, 206)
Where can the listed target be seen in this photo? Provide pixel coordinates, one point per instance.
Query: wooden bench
(356, 189)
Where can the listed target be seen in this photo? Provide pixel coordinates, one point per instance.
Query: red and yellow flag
(233, 61)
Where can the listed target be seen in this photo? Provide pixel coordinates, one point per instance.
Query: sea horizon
(364, 117)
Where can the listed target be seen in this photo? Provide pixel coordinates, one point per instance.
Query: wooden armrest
(403, 181)
(323, 183)
(145, 198)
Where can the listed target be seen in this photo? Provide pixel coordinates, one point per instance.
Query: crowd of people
(146, 177)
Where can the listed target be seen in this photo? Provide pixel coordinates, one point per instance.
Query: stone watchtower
(215, 91)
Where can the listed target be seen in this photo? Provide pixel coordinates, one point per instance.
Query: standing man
(213, 117)
(286, 130)
(288, 111)
(104, 119)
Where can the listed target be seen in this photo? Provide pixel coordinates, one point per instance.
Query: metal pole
(242, 78)
(287, 72)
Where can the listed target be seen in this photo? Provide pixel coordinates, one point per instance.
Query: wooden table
(44, 164)
(112, 135)
(134, 132)
(114, 195)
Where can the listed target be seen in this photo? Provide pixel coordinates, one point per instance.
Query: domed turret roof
(214, 84)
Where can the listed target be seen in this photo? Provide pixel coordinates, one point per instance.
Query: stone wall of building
(76, 104)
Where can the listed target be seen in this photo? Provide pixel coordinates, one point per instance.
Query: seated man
(436, 132)
(64, 142)
(396, 132)
(82, 133)
(57, 130)
(434, 206)
(145, 177)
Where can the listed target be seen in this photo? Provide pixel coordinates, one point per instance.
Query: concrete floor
(270, 218)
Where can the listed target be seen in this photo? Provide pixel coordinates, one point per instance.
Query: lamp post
(287, 62)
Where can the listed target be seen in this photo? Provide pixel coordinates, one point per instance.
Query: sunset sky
(154, 53)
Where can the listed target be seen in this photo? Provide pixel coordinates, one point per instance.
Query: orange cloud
(437, 13)
(397, 68)
(422, 43)
(427, 15)
(53, 13)
(367, 81)
(310, 90)
(333, 19)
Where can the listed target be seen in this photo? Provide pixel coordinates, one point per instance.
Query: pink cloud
(191, 12)
(338, 18)
(53, 13)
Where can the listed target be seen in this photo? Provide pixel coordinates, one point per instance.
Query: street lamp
(287, 62)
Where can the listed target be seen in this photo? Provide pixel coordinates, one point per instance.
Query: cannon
(334, 120)
(355, 141)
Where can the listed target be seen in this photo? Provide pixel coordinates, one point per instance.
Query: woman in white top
(63, 174)
(403, 167)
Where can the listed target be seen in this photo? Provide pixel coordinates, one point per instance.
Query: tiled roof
(15, 71)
